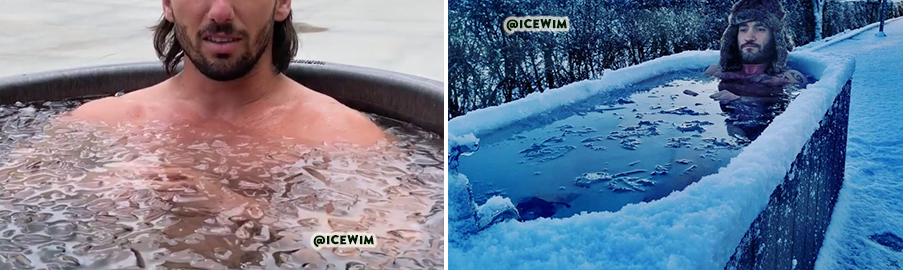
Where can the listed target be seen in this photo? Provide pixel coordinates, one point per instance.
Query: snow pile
(697, 228)
(461, 145)
(462, 211)
(487, 120)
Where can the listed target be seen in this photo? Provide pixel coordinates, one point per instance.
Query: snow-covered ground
(867, 225)
(698, 227)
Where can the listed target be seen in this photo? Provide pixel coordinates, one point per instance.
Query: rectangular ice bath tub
(785, 181)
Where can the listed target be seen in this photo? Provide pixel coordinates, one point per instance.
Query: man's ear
(167, 10)
(283, 9)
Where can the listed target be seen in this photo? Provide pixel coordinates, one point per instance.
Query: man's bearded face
(755, 42)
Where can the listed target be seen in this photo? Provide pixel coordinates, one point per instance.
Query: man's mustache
(750, 44)
(225, 29)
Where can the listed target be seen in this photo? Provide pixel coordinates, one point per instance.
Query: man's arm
(795, 77)
(714, 71)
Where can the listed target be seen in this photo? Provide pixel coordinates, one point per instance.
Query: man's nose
(748, 36)
(221, 11)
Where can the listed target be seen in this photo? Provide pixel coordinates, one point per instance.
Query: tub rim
(403, 97)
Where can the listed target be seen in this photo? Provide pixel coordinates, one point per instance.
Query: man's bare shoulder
(111, 109)
(336, 120)
(795, 76)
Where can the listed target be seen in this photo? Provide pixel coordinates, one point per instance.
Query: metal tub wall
(789, 232)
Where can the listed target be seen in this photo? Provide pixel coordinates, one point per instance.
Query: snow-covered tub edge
(697, 228)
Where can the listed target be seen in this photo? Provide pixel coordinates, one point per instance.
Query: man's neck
(225, 98)
(753, 69)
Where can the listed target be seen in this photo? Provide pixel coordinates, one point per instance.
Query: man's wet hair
(285, 44)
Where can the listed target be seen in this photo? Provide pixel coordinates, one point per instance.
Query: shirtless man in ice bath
(232, 83)
(754, 52)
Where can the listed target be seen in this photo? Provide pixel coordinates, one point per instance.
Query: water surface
(79, 197)
(621, 147)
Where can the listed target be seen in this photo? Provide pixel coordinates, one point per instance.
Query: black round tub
(406, 98)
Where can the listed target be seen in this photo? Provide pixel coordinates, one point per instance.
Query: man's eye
(761, 29)
(743, 29)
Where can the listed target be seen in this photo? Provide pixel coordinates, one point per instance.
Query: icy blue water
(622, 147)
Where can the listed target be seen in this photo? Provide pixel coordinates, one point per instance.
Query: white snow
(817, 45)
(697, 228)
(462, 211)
(871, 199)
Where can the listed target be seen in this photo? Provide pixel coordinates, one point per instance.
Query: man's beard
(763, 55)
(222, 69)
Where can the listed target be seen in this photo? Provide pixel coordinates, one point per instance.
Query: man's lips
(221, 38)
(221, 44)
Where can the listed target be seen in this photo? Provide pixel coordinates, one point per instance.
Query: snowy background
(687, 230)
(487, 67)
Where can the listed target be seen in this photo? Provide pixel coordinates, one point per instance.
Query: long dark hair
(285, 44)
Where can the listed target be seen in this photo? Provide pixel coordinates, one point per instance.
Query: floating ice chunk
(690, 126)
(678, 142)
(594, 147)
(688, 170)
(690, 92)
(660, 170)
(581, 131)
(27, 111)
(496, 209)
(647, 123)
(553, 139)
(546, 153)
(588, 179)
(603, 108)
(633, 163)
(594, 139)
(682, 111)
(630, 143)
(625, 101)
(628, 173)
(628, 184)
(683, 161)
